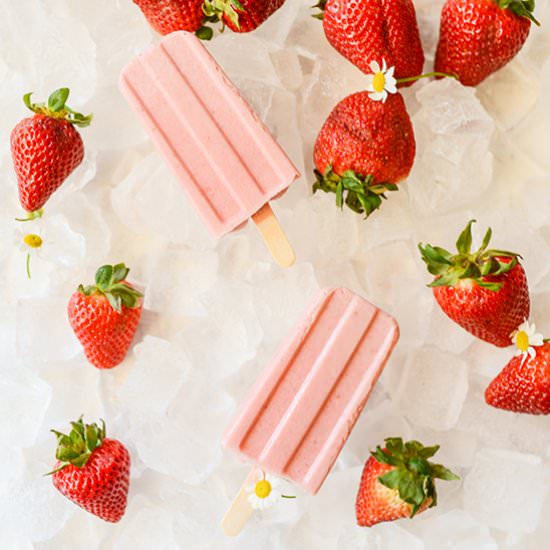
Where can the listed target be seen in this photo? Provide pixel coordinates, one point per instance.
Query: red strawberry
(166, 16)
(398, 482)
(364, 148)
(46, 148)
(478, 37)
(92, 471)
(105, 316)
(523, 386)
(373, 30)
(241, 15)
(485, 292)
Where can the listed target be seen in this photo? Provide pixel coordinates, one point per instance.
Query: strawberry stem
(31, 216)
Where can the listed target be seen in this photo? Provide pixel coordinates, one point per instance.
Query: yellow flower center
(379, 82)
(262, 488)
(522, 340)
(32, 240)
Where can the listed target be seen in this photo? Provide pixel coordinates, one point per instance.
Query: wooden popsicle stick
(273, 236)
(240, 510)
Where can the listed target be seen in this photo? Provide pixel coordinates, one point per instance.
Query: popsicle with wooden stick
(302, 409)
(222, 154)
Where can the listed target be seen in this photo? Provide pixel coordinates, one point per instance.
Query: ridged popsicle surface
(301, 411)
(221, 153)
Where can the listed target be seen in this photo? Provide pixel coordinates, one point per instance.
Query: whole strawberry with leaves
(105, 316)
(485, 291)
(46, 148)
(365, 147)
(92, 471)
(371, 30)
(478, 37)
(398, 481)
(523, 386)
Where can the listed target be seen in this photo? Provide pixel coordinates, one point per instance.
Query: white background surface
(215, 311)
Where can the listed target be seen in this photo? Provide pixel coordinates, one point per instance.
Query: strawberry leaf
(357, 192)
(412, 474)
(391, 479)
(77, 447)
(57, 108)
(477, 266)
(111, 282)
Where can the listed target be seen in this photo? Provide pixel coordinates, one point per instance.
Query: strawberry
(166, 16)
(46, 148)
(105, 316)
(485, 292)
(92, 471)
(241, 16)
(478, 37)
(398, 482)
(364, 148)
(523, 386)
(372, 30)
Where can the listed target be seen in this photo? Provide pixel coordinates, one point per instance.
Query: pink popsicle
(301, 411)
(221, 153)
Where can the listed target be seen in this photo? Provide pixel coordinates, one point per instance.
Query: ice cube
(147, 526)
(10, 538)
(433, 388)
(176, 291)
(383, 536)
(158, 204)
(186, 443)
(158, 373)
(506, 489)
(229, 334)
(25, 399)
(456, 530)
(509, 94)
(280, 297)
(32, 506)
(454, 164)
(39, 338)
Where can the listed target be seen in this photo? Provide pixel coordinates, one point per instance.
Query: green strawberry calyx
(76, 447)
(358, 192)
(413, 475)
(321, 5)
(57, 108)
(217, 10)
(522, 8)
(110, 281)
(449, 269)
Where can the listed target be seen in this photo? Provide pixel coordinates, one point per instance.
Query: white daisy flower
(526, 338)
(29, 240)
(381, 81)
(264, 492)
(52, 240)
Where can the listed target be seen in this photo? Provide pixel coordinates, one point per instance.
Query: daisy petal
(375, 68)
